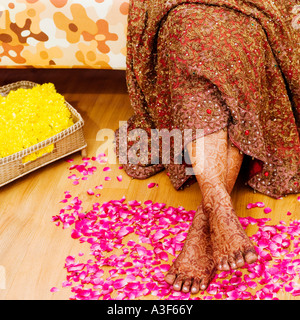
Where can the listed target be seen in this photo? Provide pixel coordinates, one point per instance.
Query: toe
(232, 262)
(239, 260)
(171, 276)
(219, 263)
(196, 286)
(224, 264)
(186, 285)
(250, 255)
(204, 283)
(219, 266)
(177, 285)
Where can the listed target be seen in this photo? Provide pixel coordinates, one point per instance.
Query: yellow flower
(29, 116)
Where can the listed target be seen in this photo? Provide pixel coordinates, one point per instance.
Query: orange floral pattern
(63, 33)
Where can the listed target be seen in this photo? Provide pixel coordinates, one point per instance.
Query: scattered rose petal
(165, 267)
(124, 231)
(73, 177)
(151, 185)
(90, 192)
(120, 283)
(260, 204)
(75, 234)
(134, 203)
(136, 268)
(164, 256)
(255, 205)
(119, 178)
(160, 234)
(54, 289)
(66, 284)
(267, 210)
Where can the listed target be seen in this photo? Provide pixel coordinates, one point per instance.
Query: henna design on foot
(216, 238)
(194, 268)
(216, 175)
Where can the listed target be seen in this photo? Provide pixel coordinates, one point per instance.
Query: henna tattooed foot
(231, 245)
(194, 268)
(216, 170)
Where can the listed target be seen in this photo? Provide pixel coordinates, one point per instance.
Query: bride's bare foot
(231, 245)
(216, 170)
(194, 268)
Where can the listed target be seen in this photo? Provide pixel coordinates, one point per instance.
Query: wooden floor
(32, 248)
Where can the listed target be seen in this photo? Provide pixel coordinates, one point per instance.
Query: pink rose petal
(164, 256)
(255, 205)
(75, 234)
(151, 185)
(141, 250)
(165, 267)
(133, 203)
(124, 231)
(160, 234)
(73, 177)
(260, 204)
(119, 283)
(90, 192)
(136, 268)
(66, 284)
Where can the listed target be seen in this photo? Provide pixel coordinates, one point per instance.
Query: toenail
(203, 287)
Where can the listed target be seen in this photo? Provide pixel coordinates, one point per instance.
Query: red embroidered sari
(215, 64)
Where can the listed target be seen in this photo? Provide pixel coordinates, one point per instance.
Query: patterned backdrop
(63, 33)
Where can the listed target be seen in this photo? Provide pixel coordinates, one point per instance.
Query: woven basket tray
(66, 142)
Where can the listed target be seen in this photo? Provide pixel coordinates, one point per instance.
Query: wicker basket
(66, 142)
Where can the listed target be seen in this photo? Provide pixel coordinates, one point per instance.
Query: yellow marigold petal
(29, 116)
